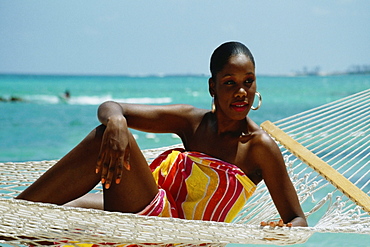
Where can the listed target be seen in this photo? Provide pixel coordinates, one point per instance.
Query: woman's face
(234, 87)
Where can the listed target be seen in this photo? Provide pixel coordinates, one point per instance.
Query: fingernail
(103, 180)
(107, 186)
(96, 170)
(118, 180)
(281, 223)
(127, 166)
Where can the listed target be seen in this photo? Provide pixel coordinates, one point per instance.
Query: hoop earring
(213, 106)
(259, 102)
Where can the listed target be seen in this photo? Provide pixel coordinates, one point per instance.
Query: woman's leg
(88, 200)
(137, 187)
(74, 175)
(71, 177)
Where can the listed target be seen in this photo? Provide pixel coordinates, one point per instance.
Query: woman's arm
(152, 118)
(276, 178)
(115, 147)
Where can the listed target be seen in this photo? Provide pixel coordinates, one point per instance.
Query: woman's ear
(211, 87)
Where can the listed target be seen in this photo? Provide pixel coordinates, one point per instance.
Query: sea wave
(90, 100)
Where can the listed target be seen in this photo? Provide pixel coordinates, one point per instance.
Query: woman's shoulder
(188, 118)
(186, 108)
(264, 151)
(190, 111)
(261, 140)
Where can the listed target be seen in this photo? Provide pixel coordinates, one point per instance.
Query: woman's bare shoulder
(190, 112)
(264, 147)
(190, 108)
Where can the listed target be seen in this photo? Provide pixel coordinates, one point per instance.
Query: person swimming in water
(67, 94)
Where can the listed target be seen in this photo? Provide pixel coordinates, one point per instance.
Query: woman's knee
(98, 132)
(95, 136)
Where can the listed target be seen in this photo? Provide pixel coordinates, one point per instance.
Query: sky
(117, 37)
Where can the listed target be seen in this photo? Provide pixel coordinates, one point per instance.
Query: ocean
(38, 123)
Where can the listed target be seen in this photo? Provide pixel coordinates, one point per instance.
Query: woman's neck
(230, 127)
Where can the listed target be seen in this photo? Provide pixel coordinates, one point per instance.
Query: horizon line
(171, 74)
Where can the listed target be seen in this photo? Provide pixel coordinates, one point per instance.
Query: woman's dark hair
(222, 54)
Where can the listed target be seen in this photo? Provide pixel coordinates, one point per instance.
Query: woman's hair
(222, 54)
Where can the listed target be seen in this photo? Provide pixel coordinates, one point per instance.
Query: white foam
(48, 99)
(92, 100)
(88, 100)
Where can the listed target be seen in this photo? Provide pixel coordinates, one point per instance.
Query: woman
(226, 156)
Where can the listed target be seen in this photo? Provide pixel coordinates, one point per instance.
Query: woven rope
(327, 208)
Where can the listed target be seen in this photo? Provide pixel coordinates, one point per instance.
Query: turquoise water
(44, 126)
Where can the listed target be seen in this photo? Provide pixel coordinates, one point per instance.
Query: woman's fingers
(103, 163)
(114, 155)
(101, 166)
(110, 168)
(273, 224)
(119, 169)
(123, 161)
(105, 169)
(99, 162)
(112, 165)
(102, 155)
(280, 223)
(126, 160)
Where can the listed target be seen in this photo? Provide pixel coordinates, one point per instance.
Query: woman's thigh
(137, 187)
(88, 200)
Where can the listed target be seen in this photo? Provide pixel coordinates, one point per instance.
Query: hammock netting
(335, 195)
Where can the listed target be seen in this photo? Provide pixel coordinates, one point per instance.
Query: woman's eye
(249, 81)
(229, 82)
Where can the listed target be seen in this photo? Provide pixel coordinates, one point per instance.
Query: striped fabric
(196, 186)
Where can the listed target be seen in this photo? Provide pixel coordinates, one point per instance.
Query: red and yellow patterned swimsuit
(196, 186)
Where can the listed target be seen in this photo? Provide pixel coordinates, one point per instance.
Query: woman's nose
(241, 92)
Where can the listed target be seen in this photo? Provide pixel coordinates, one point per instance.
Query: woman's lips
(239, 106)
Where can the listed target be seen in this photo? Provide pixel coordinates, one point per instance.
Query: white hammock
(338, 133)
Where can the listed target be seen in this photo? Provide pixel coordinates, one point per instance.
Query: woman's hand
(114, 152)
(279, 223)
